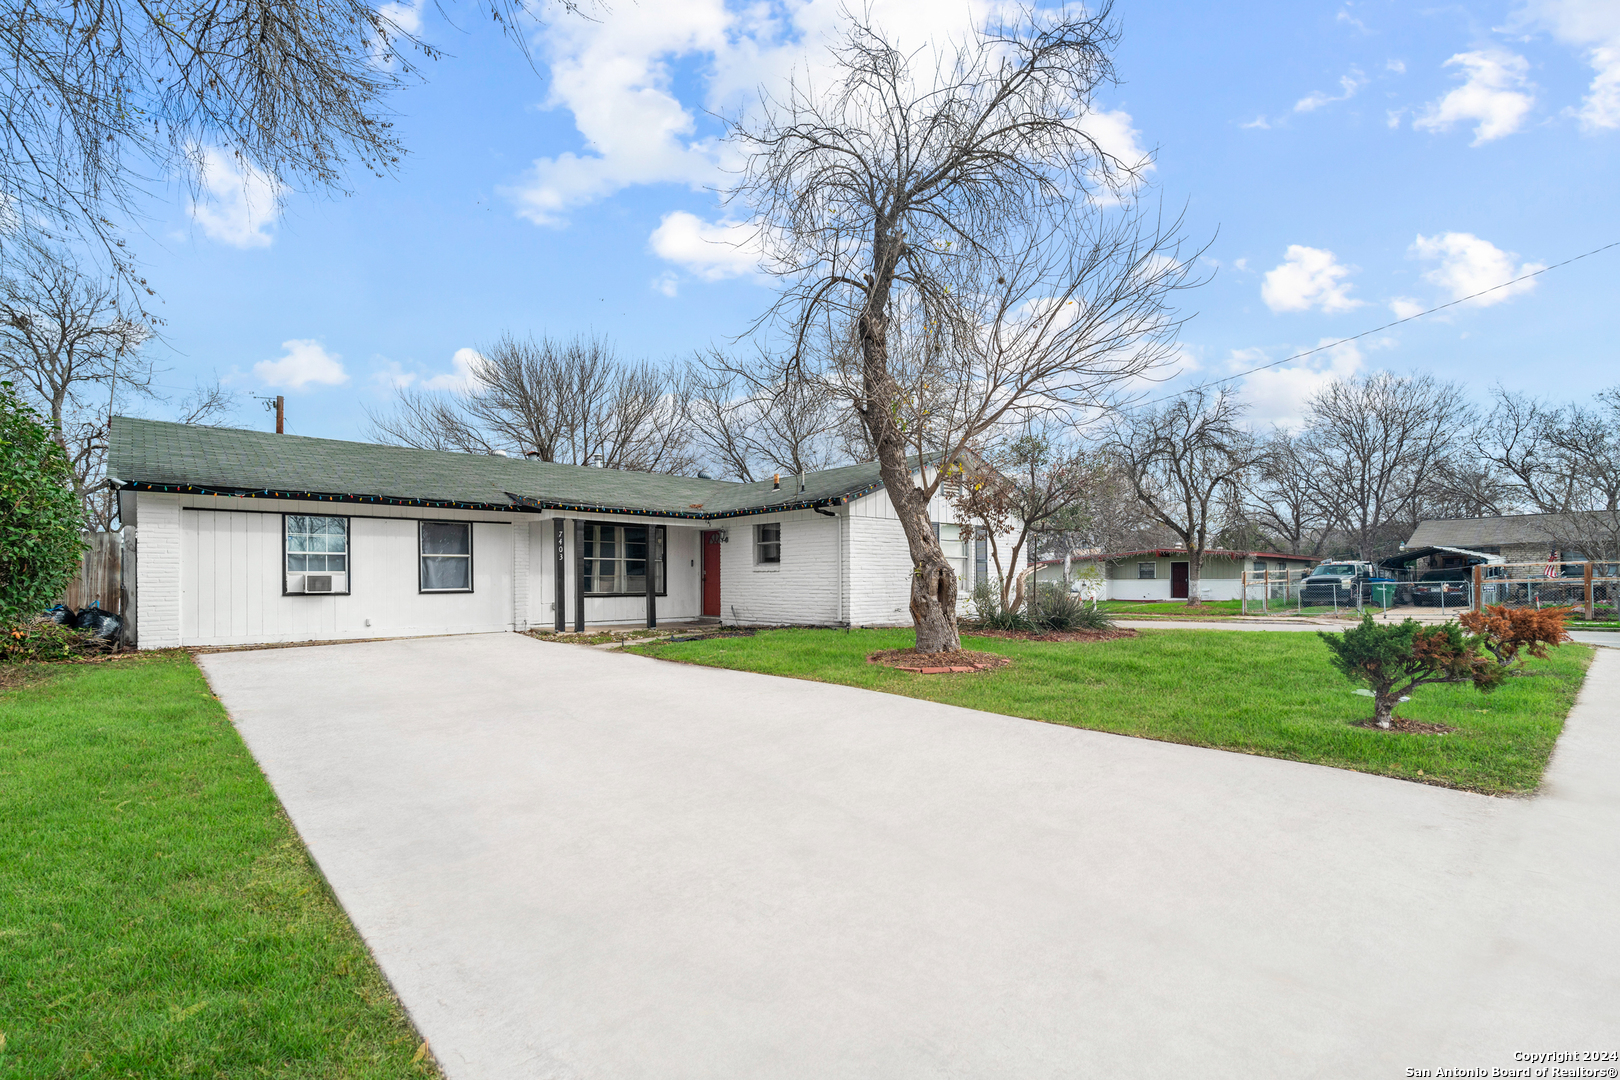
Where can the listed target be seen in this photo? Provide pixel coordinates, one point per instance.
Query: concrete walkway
(584, 865)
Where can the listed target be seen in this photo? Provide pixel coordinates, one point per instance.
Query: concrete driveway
(575, 864)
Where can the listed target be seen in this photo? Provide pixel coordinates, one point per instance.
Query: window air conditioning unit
(317, 583)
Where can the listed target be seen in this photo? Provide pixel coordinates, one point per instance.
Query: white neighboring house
(1164, 573)
(245, 537)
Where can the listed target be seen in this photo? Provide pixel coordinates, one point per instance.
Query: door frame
(709, 538)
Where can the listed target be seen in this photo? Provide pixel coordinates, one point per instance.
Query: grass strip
(159, 917)
(1272, 694)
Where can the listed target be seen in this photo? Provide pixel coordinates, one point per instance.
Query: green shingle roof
(155, 455)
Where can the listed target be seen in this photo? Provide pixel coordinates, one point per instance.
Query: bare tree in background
(750, 421)
(1513, 439)
(1377, 443)
(66, 342)
(953, 207)
(574, 402)
(1028, 487)
(98, 96)
(1286, 497)
(1186, 460)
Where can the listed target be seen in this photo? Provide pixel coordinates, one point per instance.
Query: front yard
(1260, 693)
(158, 915)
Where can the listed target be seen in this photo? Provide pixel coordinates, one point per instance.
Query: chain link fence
(1593, 589)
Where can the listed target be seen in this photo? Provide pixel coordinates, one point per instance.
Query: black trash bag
(103, 625)
(86, 619)
(62, 615)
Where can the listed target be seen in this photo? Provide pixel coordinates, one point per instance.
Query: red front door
(1178, 580)
(711, 574)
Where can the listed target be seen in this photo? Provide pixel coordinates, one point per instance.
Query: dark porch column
(559, 604)
(652, 581)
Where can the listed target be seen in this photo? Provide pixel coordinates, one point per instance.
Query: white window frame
(421, 556)
(955, 550)
(761, 558)
(287, 555)
(1147, 571)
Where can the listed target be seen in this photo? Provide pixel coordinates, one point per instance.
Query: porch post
(579, 576)
(652, 584)
(559, 605)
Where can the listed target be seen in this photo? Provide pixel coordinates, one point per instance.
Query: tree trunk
(1384, 710)
(933, 581)
(1195, 573)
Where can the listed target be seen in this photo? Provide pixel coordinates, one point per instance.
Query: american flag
(1552, 568)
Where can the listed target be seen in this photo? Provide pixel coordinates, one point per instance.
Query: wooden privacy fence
(101, 574)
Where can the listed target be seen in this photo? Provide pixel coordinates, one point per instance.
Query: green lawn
(1177, 608)
(158, 915)
(1261, 693)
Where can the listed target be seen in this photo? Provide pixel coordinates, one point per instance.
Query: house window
(981, 560)
(615, 558)
(446, 556)
(955, 548)
(1146, 571)
(316, 547)
(1260, 564)
(768, 543)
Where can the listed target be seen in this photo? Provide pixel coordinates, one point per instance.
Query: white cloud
(460, 378)
(237, 203)
(1348, 85)
(1278, 395)
(1592, 26)
(305, 361)
(638, 123)
(711, 250)
(1469, 264)
(1258, 122)
(1397, 67)
(1405, 307)
(668, 284)
(1496, 93)
(1308, 278)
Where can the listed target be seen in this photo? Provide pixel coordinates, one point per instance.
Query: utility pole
(278, 405)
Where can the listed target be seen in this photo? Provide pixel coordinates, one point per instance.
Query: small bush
(991, 615)
(43, 640)
(1059, 611)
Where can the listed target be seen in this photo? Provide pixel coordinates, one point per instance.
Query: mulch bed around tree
(962, 661)
(1068, 635)
(1407, 727)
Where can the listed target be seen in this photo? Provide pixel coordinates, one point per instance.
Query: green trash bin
(1383, 593)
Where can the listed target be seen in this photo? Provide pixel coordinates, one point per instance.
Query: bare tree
(1377, 442)
(1186, 460)
(1286, 497)
(942, 224)
(1512, 440)
(573, 402)
(750, 421)
(66, 342)
(1029, 487)
(96, 96)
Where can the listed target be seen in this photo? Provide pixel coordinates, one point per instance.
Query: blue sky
(1351, 162)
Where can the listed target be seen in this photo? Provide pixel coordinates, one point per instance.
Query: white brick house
(244, 537)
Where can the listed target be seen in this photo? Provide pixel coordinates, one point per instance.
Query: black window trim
(663, 560)
(348, 534)
(472, 578)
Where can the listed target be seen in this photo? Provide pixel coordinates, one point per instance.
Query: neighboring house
(245, 537)
(1525, 538)
(1164, 573)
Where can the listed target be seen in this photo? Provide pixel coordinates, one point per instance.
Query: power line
(1397, 322)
